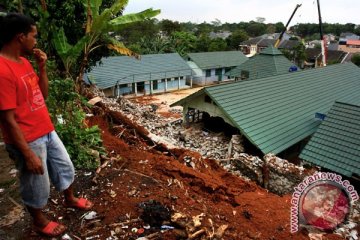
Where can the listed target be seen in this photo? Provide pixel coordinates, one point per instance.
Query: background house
(351, 46)
(347, 36)
(153, 73)
(268, 62)
(313, 44)
(210, 67)
(289, 44)
(257, 44)
(314, 56)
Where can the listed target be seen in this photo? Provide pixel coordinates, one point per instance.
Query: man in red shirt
(28, 131)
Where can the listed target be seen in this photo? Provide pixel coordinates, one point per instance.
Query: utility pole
(323, 43)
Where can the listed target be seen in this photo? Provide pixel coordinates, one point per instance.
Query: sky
(234, 11)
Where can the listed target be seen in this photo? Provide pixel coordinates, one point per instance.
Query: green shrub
(65, 106)
(356, 59)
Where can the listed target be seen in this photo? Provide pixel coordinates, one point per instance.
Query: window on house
(208, 73)
(176, 78)
(181, 77)
(207, 99)
(244, 74)
(163, 80)
(218, 71)
(155, 85)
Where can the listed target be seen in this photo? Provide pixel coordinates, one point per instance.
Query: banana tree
(97, 28)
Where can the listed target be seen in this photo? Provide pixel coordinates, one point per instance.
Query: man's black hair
(13, 24)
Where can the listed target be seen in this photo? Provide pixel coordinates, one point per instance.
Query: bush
(82, 143)
(356, 59)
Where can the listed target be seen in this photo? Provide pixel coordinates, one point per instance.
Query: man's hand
(33, 163)
(40, 57)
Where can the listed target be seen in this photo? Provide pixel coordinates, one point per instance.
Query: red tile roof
(353, 42)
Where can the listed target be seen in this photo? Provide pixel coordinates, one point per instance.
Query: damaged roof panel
(336, 143)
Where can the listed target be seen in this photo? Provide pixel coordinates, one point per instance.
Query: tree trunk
(21, 7)
(43, 5)
(79, 82)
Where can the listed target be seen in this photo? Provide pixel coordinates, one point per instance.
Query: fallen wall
(275, 174)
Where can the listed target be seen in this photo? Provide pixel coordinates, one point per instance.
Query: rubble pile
(247, 166)
(235, 146)
(275, 174)
(208, 144)
(349, 230)
(170, 130)
(283, 175)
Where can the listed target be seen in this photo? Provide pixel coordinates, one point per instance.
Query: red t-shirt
(19, 90)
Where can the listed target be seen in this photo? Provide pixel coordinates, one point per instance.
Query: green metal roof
(277, 112)
(123, 69)
(210, 60)
(336, 143)
(271, 50)
(269, 62)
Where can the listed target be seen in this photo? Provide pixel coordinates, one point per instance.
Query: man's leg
(35, 188)
(41, 221)
(61, 172)
(72, 201)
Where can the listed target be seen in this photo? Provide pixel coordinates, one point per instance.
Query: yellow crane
(277, 43)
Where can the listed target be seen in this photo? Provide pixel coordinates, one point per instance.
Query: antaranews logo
(322, 200)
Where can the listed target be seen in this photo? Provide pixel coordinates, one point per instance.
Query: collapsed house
(153, 73)
(277, 114)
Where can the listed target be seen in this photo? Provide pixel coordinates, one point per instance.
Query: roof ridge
(347, 103)
(275, 63)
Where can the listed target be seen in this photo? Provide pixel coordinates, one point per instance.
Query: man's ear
(20, 36)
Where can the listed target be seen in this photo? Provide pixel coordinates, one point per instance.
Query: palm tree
(155, 45)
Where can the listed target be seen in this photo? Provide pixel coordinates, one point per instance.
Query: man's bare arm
(33, 162)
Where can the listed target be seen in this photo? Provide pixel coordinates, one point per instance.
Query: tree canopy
(356, 59)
